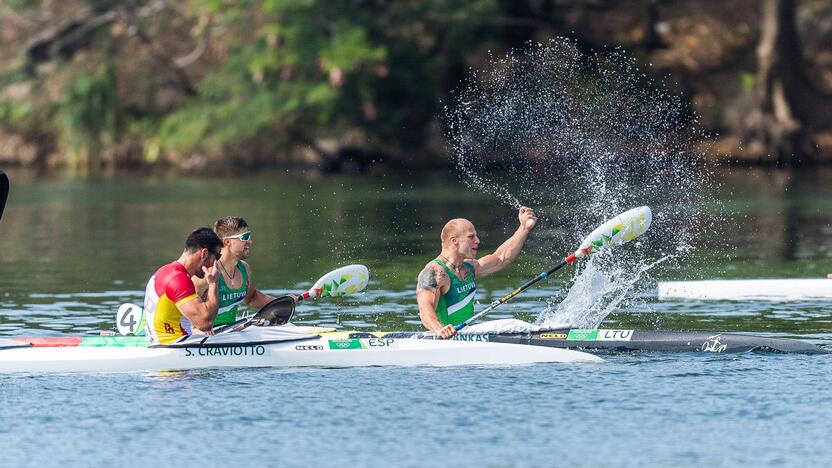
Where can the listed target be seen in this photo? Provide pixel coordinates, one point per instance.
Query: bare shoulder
(250, 276)
(473, 262)
(432, 277)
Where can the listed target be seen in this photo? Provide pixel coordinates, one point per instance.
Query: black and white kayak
(618, 340)
(658, 340)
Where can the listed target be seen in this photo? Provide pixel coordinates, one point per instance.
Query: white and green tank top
(457, 305)
(230, 299)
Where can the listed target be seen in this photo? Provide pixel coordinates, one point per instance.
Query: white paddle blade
(345, 280)
(623, 228)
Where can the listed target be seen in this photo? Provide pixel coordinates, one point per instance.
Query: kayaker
(235, 282)
(171, 305)
(445, 288)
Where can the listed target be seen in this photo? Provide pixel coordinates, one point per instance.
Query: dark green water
(71, 251)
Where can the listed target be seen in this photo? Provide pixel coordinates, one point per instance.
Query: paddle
(4, 192)
(343, 281)
(616, 231)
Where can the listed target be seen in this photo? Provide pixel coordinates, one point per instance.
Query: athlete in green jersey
(235, 284)
(457, 305)
(231, 298)
(445, 287)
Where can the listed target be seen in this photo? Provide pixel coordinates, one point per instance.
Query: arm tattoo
(427, 280)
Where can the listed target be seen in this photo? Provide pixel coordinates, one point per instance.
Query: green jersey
(457, 305)
(230, 299)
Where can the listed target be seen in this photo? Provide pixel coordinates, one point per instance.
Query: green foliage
(22, 5)
(317, 68)
(287, 71)
(748, 81)
(89, 115)
(102, 4)
(14, 113)
(279, 77)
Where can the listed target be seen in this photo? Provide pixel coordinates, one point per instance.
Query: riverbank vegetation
(214, 85)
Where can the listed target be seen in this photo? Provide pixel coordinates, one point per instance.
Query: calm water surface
(72, 250)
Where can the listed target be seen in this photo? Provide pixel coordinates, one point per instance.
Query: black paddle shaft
(543, 275)
(277, 312)
(517, 291)
(4, 192)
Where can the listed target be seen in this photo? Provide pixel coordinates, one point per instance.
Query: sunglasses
(243, 236)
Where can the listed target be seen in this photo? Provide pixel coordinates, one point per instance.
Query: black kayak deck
(660, 340)
(617, 340)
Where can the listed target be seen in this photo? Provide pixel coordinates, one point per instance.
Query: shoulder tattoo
(427, 279)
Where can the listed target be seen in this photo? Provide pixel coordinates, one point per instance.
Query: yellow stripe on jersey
(186, 299)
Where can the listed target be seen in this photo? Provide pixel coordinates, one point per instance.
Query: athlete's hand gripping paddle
(341, 282)
(616, 231)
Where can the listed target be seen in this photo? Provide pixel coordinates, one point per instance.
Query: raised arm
(201, 285)
(431, 284)
(202, 314)
(508, 251)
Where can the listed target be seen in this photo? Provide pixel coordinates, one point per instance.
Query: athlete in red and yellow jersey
(171, 305)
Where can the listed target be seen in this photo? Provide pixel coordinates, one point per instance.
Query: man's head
(460, 235)
(235, 234)
(205, 245)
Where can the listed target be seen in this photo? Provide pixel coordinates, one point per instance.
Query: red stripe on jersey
(173, 281)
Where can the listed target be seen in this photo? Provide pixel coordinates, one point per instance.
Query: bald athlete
(445, 289)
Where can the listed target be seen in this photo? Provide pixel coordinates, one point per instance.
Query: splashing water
(594, 295)
(581, 138)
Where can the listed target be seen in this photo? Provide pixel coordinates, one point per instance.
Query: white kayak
(760, 289)
(286, 346)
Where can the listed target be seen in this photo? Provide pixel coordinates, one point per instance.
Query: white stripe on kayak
(459, 305)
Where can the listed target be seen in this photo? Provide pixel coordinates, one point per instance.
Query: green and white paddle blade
(130, 320)
(616, 231)
(345, 280)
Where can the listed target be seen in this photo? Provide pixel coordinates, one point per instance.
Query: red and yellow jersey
(168, 288)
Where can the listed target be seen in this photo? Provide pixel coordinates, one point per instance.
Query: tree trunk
(652, 39)
(775, 129)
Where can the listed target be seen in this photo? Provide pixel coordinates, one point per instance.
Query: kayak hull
(660, 341)
(312, 352)
(616, 340)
